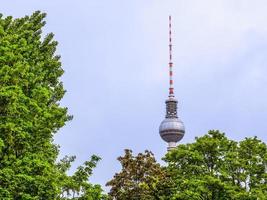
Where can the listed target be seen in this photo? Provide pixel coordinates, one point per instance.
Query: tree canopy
(30, 115)
(211, 168)
(215, 167)
(141, 178)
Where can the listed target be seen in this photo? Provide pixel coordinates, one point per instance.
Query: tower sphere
(172, 130)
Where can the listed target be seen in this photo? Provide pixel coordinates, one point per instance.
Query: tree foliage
(30, 115)
(212, 168)
(77, 185)
(139, 178)
(215, 167)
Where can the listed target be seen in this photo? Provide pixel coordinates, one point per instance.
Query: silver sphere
(172, 130)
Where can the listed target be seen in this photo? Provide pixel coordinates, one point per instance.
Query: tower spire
(171, 92)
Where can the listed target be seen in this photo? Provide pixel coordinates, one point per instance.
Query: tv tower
(171, 128)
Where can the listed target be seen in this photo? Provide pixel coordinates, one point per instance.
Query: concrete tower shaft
(171, 108)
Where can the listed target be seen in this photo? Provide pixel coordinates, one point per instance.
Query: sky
(115, 57)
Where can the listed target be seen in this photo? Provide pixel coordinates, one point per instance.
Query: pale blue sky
(115, 56)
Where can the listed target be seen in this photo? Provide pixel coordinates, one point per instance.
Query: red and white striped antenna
(171, 89)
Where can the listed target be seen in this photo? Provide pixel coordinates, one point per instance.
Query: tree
(139, 178)
(211, 168)
(30, 113)
(77, 186)
(215, 167)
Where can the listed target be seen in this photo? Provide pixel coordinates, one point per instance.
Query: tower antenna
(171, 89)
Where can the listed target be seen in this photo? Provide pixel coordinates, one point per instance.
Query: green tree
(215, 167)
(30, 115)
(77, 186)
(139, 178)
(211, 168)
